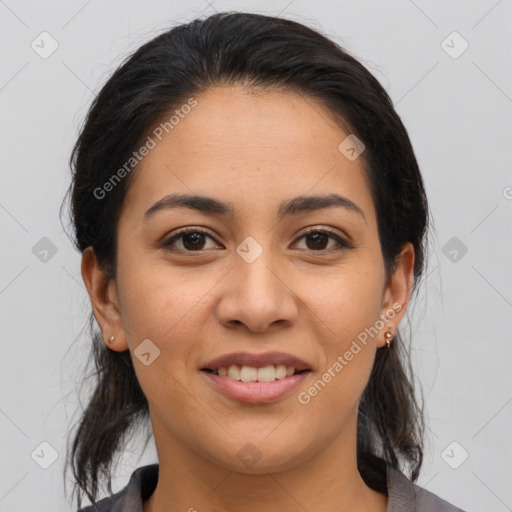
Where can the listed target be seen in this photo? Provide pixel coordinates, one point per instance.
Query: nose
(257, 296)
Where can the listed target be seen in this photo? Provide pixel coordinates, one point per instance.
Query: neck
(329, 481)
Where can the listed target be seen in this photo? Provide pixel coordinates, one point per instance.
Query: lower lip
(256, 392)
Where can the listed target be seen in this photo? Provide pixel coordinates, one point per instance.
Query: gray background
(458, 114)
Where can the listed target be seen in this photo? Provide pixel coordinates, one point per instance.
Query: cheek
(168, 308)
(345, 306)
(345, 301)
(157, 307)
(156, 300)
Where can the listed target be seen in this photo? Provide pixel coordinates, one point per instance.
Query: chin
(259, 454)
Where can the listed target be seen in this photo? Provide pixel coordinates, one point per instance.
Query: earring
(111, 339)
(389, 338)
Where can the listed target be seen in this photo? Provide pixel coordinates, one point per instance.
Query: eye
(193, 240)
(319, 237)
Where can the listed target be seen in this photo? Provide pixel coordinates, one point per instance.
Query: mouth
(256, 378)
(255, 385)
(245, 373)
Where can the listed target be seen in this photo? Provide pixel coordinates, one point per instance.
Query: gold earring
(389, 338)
(111, 339)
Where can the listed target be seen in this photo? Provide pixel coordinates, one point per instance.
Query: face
(258, 278)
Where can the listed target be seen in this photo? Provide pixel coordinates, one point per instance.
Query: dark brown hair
(258, 51)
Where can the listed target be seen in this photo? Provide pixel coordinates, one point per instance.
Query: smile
(252, 374)
(255, 385)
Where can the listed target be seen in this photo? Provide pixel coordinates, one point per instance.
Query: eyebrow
(211, 206)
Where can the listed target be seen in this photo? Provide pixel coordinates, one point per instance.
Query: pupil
(195, 239)
(191, 240)
(317, 239)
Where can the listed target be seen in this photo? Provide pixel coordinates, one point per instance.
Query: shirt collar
(402, 493)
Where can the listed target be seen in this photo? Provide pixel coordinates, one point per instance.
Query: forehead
(235, 116)
(251, 147)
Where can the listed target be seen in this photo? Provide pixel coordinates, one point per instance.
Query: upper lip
(256, 360)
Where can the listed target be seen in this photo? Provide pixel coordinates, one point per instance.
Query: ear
(104, 299)
(397, 293)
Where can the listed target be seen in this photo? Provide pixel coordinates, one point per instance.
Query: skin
(253, 150)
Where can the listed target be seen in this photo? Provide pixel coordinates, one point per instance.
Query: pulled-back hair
(257, 51)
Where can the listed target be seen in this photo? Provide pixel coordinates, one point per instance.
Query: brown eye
(192, 240)
(317, 240)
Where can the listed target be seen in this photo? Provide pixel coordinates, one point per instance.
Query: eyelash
(343, 244)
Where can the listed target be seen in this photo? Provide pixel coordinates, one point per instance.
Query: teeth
(248, 374)
(252, 374)
(280, 371)
(268, 374)
(234, 372)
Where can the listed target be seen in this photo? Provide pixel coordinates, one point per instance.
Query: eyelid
(342, 241)
(324, 229)
(183, 231)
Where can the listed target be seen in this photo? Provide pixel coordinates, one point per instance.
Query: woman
(252, 222)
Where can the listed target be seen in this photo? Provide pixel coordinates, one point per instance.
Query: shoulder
(406, 496)
(141, 485)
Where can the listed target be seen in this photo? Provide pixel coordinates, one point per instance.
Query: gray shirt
(403, 495)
